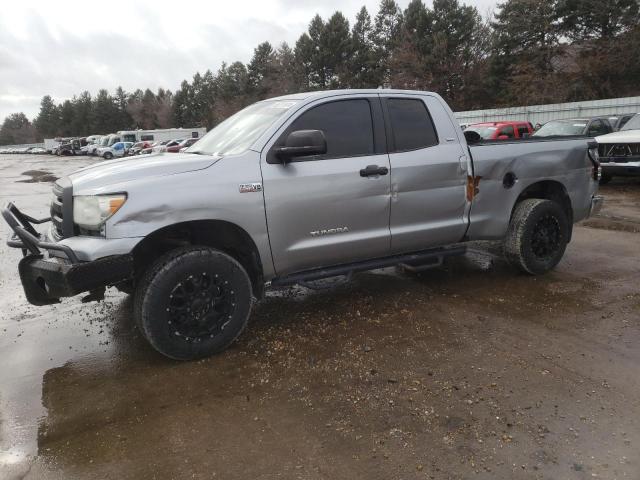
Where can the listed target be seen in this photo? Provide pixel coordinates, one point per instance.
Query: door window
(347, 126)
(411, 124)
(507, 130)
(596, 128)
(523, 130)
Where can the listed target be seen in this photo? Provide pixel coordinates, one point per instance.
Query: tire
(108, 156)
(537, 237)
(126, 287)
(605, 178)
(193, 302)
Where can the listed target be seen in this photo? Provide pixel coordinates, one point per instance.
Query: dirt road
(471, 370)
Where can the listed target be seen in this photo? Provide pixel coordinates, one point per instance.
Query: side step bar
(428, 258)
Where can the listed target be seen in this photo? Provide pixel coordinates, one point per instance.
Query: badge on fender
(250, 187)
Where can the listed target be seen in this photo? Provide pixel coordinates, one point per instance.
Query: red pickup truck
(501, 130)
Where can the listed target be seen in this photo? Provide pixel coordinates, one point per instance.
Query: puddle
(38, 176)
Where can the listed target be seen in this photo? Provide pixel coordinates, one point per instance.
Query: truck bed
(563, 160)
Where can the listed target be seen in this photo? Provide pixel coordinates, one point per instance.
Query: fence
(544, 113)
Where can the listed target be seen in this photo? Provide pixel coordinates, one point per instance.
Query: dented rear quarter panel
(561, 160)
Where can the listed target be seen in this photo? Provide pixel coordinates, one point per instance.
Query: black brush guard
(46, 281)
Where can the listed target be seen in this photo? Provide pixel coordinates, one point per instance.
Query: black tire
(193, 302)
(605, 178)
(537, 237)
(126, 287)
(108, 156)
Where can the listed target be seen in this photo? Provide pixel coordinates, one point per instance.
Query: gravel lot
(471, 370)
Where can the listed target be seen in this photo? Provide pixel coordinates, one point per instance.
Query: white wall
(544, 113)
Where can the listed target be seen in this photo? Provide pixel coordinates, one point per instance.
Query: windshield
(633, 124)
(566, 127)
(238, 132)
(104, 141)
(484, 132)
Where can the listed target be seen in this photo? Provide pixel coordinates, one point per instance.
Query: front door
(329, 209)
(429, 167)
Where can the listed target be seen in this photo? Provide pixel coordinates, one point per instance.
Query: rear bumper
(46, 280)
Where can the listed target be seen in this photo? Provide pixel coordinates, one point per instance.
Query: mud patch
(612, 223)
(38, 176)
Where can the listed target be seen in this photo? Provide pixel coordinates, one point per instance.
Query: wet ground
(470, 370)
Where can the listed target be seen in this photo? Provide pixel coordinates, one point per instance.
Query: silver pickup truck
(292, 190)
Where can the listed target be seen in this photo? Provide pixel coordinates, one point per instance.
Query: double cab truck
(292, 190)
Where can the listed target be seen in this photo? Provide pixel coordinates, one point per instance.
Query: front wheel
(538, 235)
(193, 302)
(108, 156)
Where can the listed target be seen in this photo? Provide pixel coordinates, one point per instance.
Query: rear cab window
(411, 125)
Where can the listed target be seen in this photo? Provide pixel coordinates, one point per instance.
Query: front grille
(619, 152)
(61, 209)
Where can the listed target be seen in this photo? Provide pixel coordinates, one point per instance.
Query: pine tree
(387, 27)
(17, 129)
(336, 47)
(47, 122)
(363, 60)
(526, 45)
(260, 70)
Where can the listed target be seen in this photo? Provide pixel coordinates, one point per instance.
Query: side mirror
(302, 143)
(472, 137)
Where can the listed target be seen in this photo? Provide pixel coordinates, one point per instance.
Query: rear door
(428, 174)
(325, 209)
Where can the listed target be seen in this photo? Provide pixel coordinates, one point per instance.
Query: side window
(129, 137)
(347, 127)
(146, 138)
(624, 121)
(194, 134)
(597, 127)
(507, 130)
(523, 131)
(411, 124)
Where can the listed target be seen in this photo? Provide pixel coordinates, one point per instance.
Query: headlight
(91, 211)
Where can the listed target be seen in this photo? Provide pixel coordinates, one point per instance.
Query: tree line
(528, 52)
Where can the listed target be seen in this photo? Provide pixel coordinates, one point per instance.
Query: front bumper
(46, 279)
(621, 168)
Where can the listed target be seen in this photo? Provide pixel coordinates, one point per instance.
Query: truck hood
(625, 136)
(125, 169)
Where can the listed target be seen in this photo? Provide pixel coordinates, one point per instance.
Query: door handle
(373, 170)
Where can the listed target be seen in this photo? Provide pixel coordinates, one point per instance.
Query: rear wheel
(193, 302)
(537, 236)
(108, 155)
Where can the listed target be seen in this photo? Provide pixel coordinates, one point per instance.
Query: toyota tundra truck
(293, 190)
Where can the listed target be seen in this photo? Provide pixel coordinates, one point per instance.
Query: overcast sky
(63, 48)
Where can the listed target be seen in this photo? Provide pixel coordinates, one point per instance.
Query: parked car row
(618, 137)
(32, 150)
(583, 126)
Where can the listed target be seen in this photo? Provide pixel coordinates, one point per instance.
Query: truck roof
(347, 91)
